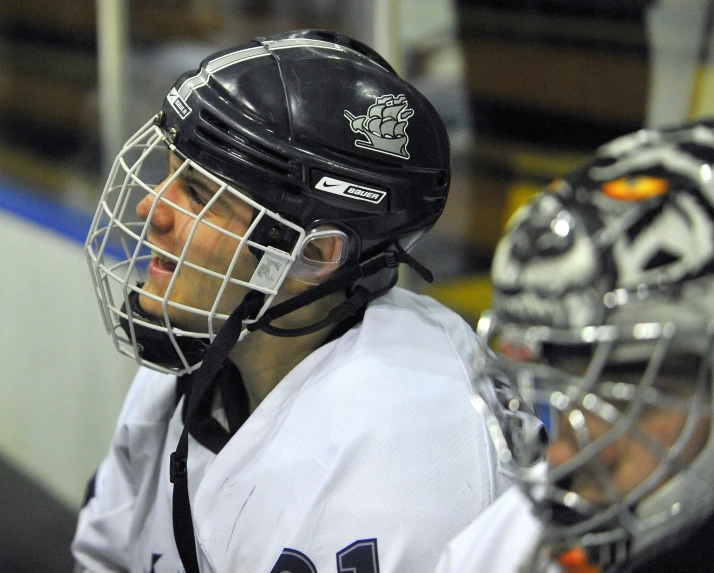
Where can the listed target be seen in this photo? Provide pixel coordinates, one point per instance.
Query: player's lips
(161, 267)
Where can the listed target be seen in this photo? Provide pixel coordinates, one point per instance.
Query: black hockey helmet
(312, 129)
(320, 129)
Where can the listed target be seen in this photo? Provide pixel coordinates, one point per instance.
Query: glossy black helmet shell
(317, 127)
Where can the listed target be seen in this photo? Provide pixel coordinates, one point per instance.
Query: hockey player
(293, 411)
(605, 287)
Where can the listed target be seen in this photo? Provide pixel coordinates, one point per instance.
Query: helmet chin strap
(215, 356)
(340, 280)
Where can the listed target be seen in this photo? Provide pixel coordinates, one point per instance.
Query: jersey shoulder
(151, 398)
(498, 540)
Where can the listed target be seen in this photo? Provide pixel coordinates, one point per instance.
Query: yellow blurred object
(468, 296)
(702, 100)
(518, 194)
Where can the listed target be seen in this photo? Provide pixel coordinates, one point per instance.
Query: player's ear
(322, 252)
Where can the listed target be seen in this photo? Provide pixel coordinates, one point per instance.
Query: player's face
(209, 248)
(632, 457)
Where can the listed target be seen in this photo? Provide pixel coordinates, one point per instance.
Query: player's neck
(264, 360)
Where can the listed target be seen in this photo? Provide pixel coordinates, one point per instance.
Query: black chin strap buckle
(386, 259)
(411, 262)
(391, 260)
(177, 466)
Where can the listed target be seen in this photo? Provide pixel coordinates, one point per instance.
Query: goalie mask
(604, 295)
(266, 151)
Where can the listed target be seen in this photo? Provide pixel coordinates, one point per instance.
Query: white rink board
(62, 382)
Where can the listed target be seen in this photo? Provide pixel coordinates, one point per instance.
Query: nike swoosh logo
(328, 184)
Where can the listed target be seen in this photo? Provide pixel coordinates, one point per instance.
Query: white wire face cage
(120, 247)
(674, 496)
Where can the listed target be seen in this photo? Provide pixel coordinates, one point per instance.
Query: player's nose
(162, 217)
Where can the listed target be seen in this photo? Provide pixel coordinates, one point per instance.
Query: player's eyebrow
(195, 179)
(190, 176)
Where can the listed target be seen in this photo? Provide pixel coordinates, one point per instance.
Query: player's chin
(177, 318)
(153, 296)
(151, 306)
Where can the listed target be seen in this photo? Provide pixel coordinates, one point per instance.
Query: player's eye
(195, 196)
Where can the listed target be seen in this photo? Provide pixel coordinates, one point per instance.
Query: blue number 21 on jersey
(359, 557)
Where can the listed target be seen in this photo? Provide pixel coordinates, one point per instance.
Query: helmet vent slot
(220, 134)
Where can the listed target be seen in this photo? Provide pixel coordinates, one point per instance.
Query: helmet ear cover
(322, 251)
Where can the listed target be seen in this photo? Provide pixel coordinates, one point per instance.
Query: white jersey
(366, 457)
(499, 540)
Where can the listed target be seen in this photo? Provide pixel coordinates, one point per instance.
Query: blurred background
(527, 88)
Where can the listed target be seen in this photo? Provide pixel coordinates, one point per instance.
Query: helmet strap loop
(341, 279)
(415, 265)
(215, 356)
(346, 309)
